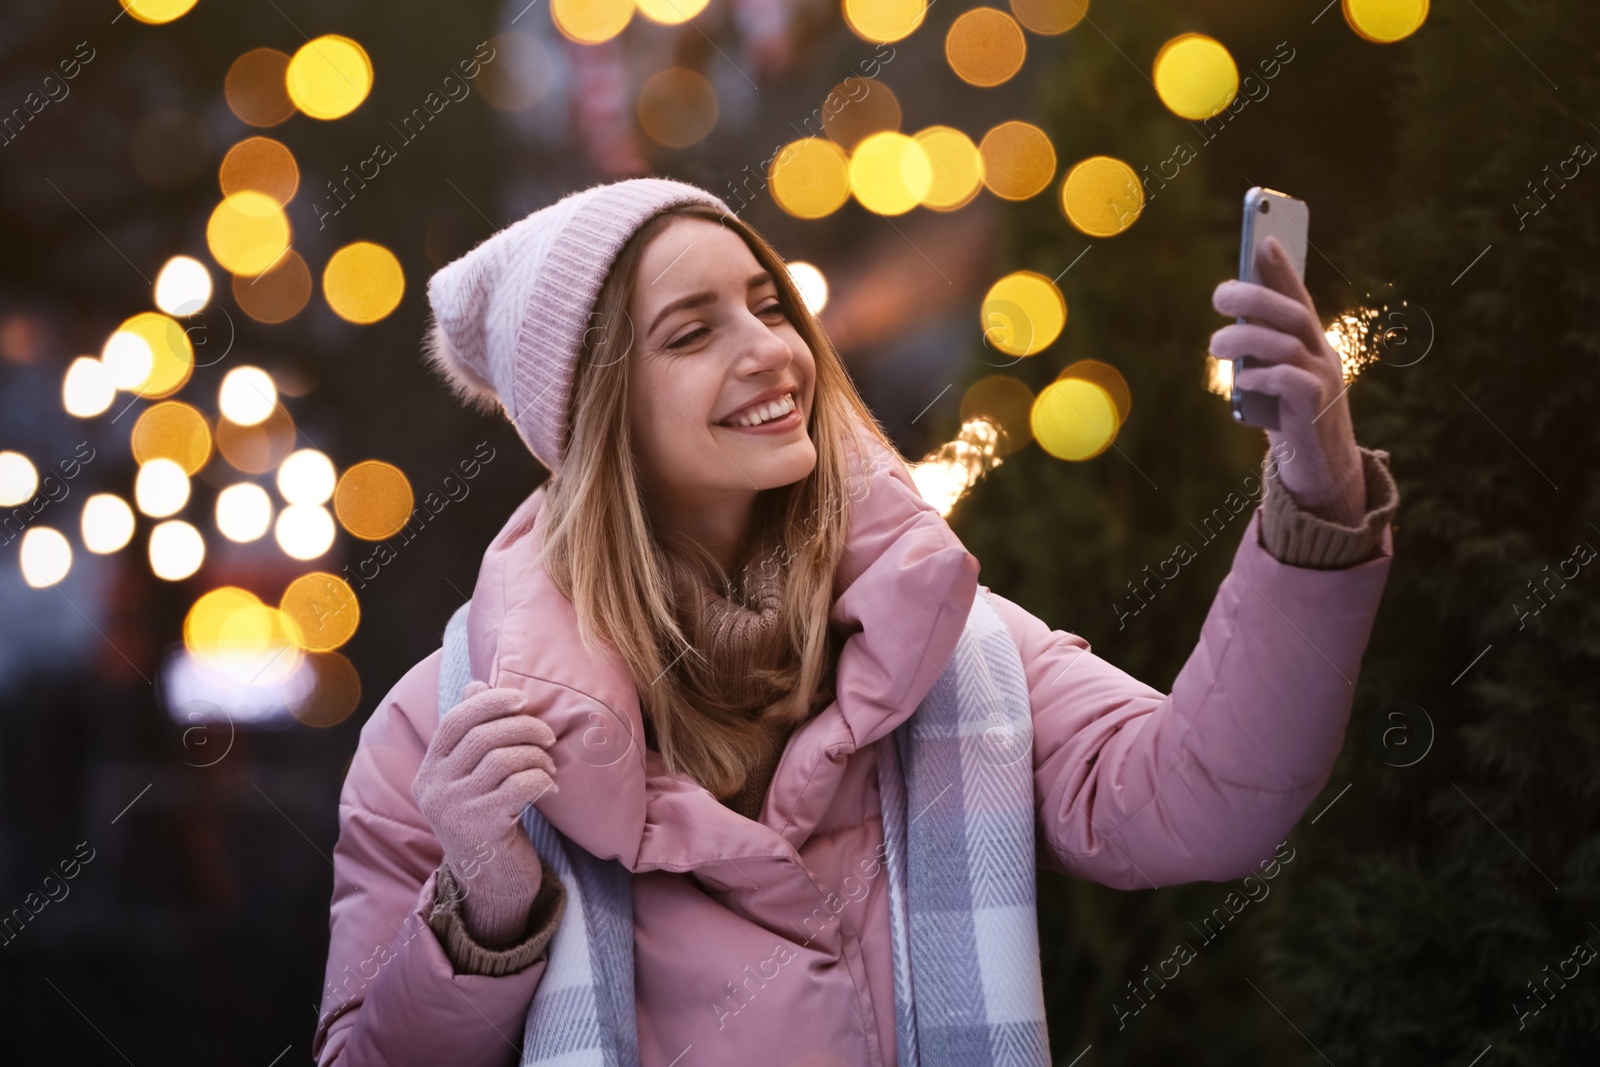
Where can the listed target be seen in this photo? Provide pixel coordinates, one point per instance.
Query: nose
(763, 349)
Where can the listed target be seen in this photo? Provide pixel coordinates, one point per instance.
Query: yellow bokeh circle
(260, 164)
(809, 178)
(248, 232)
(1102, 196)
(1385, 21)
(1018, 160)
(1022, 313)
(957, 168)
(171, 354)
(671, 12)
(1195, 76)
(883, 21)
(324, 609)
(329, 76)
(890, 173)
(373, 500)
(363, 282)
(985, 47)
(1074, 419)
(172, 430)
(591, 21)
(157, 11)
(1049, 16)
(1106, 377)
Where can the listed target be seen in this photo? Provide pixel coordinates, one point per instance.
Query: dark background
(1418, 905)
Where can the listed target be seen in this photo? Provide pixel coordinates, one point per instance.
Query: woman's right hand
(487, 761)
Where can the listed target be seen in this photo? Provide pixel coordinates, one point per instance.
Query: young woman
(688, 643)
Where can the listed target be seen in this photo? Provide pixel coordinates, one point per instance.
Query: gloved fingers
(1300, 396)
(501, 763)
(483, 706)
(1263, 342)
(1269, 308)
(473, 688)
(524, 788)
(1279, 274)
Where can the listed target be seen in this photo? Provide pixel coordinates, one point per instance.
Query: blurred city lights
(671, 12)
(1005, 402)
(244, 512)
(373, 500)
(171, 354)
(957, 168)
(1022, 313)
(857, 108)
(257, 449)
(884, 21)
(19, 480)
(324, 610)
(45, 556)
(306, 477)
(1018, 160)
(1385, 21)
(812, 285)
(1074, 419)
(890, 173)
(87, 389)
(172, 430)
(363, 282)
(1195, 76)
(277, 295)
(591, 21)
(128, 359)
(107, 523)
(176, 550)
(1101, 196)
(328, 77)
(985, 47)
(304, 531)
(157, 11)
(262, 165)
(809, 178)
(161, 488)
(247, 232)
(183, 287)
(1107, 378)
(256, 87)
(521, 74)
(247, 396)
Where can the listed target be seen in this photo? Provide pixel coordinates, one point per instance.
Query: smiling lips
(758, 414)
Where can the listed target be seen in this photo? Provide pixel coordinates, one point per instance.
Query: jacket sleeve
(392, 994)
(1137, 789)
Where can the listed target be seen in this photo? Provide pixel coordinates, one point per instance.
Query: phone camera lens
(1266, 206)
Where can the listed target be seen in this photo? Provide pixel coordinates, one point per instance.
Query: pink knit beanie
(509, 317)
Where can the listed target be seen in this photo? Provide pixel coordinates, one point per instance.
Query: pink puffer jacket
(768, 942)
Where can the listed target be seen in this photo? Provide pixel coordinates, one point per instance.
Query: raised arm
(1138, 789)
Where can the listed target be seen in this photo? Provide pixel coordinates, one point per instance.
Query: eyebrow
(697, 299)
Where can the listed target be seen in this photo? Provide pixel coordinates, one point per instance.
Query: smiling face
(722, 383)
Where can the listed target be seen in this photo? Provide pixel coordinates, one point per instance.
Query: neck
(716, 522)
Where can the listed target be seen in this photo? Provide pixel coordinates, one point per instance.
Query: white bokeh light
(45, 556)
(87, 389)
(306, 477)
(128, 359)
(107, 523)
(161, 489)
(812, 285)
(176, 550)
(247, 396)
(183, 287)
(18, 479)
(244, 512)
(304, 531)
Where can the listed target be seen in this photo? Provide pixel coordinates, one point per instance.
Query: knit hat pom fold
(470, 386)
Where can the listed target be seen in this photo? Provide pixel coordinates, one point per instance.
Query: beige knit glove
(487, 761)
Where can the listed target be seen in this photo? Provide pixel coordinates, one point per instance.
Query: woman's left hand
(1298, 366)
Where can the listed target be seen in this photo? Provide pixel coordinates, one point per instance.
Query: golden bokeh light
(1006, 402)
(884, 21)
(304, 531)
(257, 89)
(171, 354)
(1074, 419)
(521, 74)
(19, 479)
(985, 47)
(247, 396)
(259, 448)
(335, 693)
(324, 609)
(1195, 76)
(183, 287)
(671, 12)
(87, 389)
(945, 475)
(812, 284)
(1102, 196)
(591, 21)
(1107, 378)
(262, 165)
(172, 430)
(373, 500)
(176, 550)
(1219, 376)
(1385, 21)
(231, 631)
(247, 232)
(957, 168)
(157, 11)
(890, 173)
(857, 108)
(1049, 16)
(677, 107)
(244, 512)
(1018, 160)
(328, 77)
(1022, 313)
(277, 295)
(107, 523)
(44, 556)
(810, 178)
(363, 282)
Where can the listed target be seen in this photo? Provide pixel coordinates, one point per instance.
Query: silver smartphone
(1266, 211)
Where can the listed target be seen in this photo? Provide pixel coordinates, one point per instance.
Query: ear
(470, 386)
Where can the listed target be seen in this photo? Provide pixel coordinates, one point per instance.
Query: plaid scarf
(967, 980)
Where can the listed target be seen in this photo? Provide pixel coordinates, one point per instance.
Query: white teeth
(766, 412)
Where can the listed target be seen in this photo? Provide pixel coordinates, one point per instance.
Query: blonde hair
(602, 553)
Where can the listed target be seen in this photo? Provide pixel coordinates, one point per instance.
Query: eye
(688, 337)
(775, 306)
